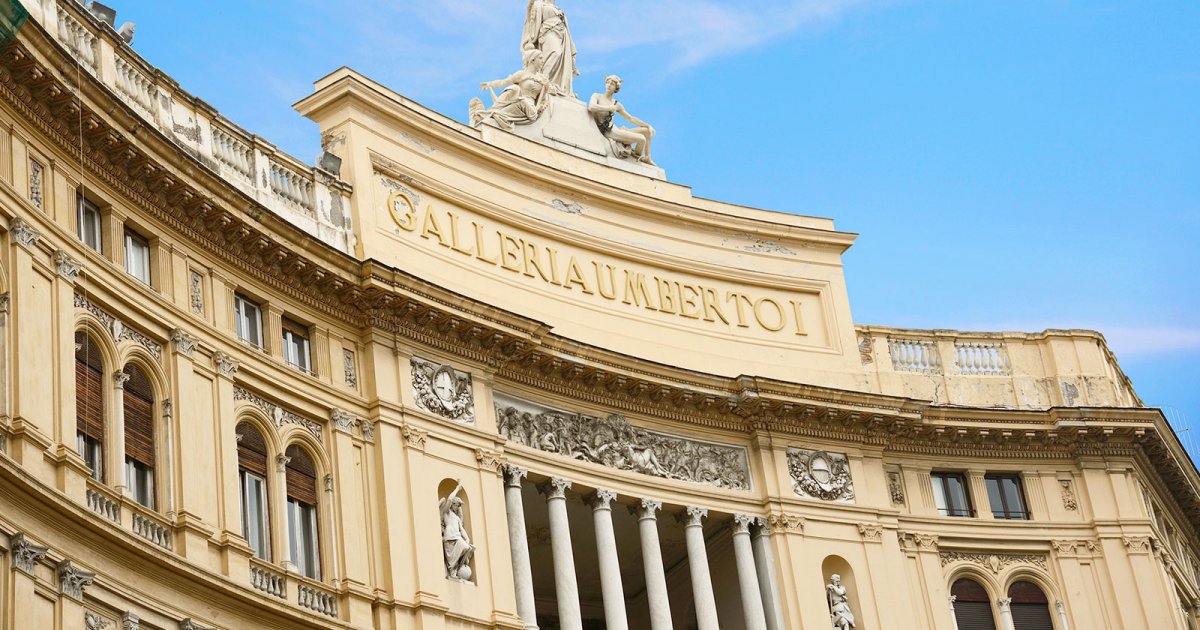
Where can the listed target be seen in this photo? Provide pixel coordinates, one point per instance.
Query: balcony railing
(104, 505)
(915, 355)
(982, 358)
(316, 599)
(267, 580)
(152, 528)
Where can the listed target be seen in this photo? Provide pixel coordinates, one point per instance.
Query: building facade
(462, 376)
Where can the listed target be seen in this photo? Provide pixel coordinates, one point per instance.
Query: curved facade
(473, 380)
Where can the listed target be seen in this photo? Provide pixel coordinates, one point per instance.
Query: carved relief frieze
(615, 443)
(120, 332)
(1076, 548)
(821, 475)
(414, 437)
(278, 414)
(491, 461)
(197, 293)
(35, 183)
(188, 624)
(82, 302)
(92, 621)
(866, 349)
(896, 488)
(1137, 544)
(184, 343)
(23, 233)
(995, 562)
(871, 532)
(226, 365)
(914, 541)
(25, 555)
(343, 421)
(1068, 495)
(351, 372)
(66, 266)
(786, 523)
(443, 390)
(72, 580)
(130, 621)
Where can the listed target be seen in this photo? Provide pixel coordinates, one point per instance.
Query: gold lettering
(479, 245)
(611, 293)
(530, 254)
(780, 314)
(402, 210)
(711, 305)
(636, 290)
(575, 276)
(667, 300)
(738, 299)
(510, 252)
(430, 226)
(800, 330)
(454, 235)
(687, 303)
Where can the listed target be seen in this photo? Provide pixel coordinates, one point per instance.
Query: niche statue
(839, 606)
(456, 544)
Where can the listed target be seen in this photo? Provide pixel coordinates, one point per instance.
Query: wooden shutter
(301, 476)
(972, 606)
(252, 450)
(1030, 609)
(89, 389)
(139, 417)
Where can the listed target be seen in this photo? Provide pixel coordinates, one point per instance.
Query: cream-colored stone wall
(1112, 497)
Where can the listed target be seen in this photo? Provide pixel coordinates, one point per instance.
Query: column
(953, 615)
(610, 567)
(743, 555)
(656, 576)
(702, 590)
(768, 582)
(519, 544)
(1006, 619)
(1062, 615)
(565, 588)
(116, 441)
(279, 531)
(168, 480)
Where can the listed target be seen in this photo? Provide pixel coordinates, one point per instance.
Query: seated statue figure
(628, 141)
(522, 102)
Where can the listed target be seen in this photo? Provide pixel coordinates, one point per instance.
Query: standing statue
(456, 544)
(629, 141)
(546, 30)
(839, 607)
(522, 102)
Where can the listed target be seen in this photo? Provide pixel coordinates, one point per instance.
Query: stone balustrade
(151, 528)
(1015, 370)
(306, 196)
(100, 503)
(316, 599)
(267, 580)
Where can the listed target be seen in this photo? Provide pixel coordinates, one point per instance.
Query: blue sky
(1009, 164)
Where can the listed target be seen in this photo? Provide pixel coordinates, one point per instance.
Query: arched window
(139, 435)
(252, 475)
(89, 404)
(972, 606)
(1030, 609)
(302, 512)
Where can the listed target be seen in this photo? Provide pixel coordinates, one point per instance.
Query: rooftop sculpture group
(549, 70)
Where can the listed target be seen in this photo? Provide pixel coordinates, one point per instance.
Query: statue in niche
(456, 544)
(627, 141)
(546, 31)
(522, 101)
(839, 606)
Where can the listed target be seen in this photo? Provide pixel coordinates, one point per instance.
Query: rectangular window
(302, 526)
(93, 453)
(950, 494)
(137, 257)
(254, 514)
(88, 218)
(1006, 497)
(140, 479)
(248, 318)
(295, 346)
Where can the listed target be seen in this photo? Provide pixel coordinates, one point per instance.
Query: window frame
(144, 274)
(1006, 514)
(292, 332)
(139, 479)
(83, 209)
(92, 452)
(261, 544)
(240, 316)
(940, 491)
(305, 554)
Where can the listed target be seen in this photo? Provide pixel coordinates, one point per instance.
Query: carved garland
(279, 415)
(443, 390)
(820, 475)
(996, 562)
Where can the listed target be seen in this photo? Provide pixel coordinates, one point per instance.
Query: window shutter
(139, 417)
(301, 476)
(252, 450)
(89, 389)
(1032, 617)
(974, 616)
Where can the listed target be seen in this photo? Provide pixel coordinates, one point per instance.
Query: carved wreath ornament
(820, 475)
(442, 390)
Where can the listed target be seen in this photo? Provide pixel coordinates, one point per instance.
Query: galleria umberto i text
(502, 373)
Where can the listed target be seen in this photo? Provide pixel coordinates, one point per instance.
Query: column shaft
(1062, 615)
(565, 587)
(610, 566)
(953, 615)
(768, 583)
(116, 461)
(702, 590)
(1006, 618)
(652, 562)
(519, 544)
(748, 583)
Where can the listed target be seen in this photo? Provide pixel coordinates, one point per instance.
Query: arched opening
(972, 606)
(302, 512)
(841, 594)
(138, 400)
(1030, 608)
(252, 478)
(89, 403)
(458, 550)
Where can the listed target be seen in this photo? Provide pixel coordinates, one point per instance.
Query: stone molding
(277, 413)
(443, 390)
(871, 532)
(226, 365)
(188, 624)
(185, 344)
(1070, 503)
(66, 266)
(343, 421)
(786, 523)
(1004, 603)
(72, 580)
(513, 475)
(1138, 544)
(24, 233)
(820, 475)
(120, 378)
(646, 509)
(130, 621)
(692, 516)
(601, 499)
(742, 523)
(281, 462)
(196, 295)
(915, 541)
(555, 488)
(1076, 548)
(117, 328)
(896, 487)
(26, 555)
(615, 443)
(491, 461)
(350, 372)
(414, 437)
(92, 621)
(995, 562)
